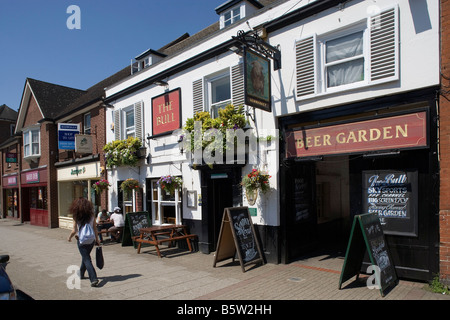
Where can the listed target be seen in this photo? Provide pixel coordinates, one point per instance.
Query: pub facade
(350, 110)
(360, 130)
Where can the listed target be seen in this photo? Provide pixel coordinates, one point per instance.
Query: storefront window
(38, 198)
(70, 190)
(11, 196)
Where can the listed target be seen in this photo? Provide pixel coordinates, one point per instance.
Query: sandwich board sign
(134, 221)
(367, 236)
(237, 235)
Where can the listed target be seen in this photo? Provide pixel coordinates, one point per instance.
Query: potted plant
(170, 183)
(229, 118)
(101, 186)
(122, 152)
(253, 182)
(129, 185)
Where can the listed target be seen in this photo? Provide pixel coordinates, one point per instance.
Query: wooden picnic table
(171, 232)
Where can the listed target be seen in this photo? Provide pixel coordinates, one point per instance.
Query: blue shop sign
(66, 135)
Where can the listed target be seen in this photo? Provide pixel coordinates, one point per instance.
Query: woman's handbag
(99, 257)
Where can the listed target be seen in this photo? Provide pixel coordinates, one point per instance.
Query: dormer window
(145, 60)
(232, 16)
(145, 63)
(233, 11)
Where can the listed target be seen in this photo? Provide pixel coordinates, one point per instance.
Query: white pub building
(335, 92)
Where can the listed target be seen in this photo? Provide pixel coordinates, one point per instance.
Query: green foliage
(169, 183)
(437, 286)
(122, 152)
(256, 180)
(101, 185)
(229, 118)
(129, 184)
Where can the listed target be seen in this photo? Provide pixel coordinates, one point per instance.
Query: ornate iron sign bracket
(252, 41)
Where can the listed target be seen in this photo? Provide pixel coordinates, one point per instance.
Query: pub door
(300, 216)
(221, 197)
(220, 190)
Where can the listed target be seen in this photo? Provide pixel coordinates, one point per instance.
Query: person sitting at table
(103, 223)
(119, 223)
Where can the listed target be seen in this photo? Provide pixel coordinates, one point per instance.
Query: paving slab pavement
(42, 264)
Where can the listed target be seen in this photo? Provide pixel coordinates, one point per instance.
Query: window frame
(381, 53)
(322, 40)
(214, 107)
(160, 200)
(131, 130)
(87, 129)
(232, 18)
(28, 141)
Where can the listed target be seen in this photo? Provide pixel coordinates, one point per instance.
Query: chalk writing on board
(138, 222)
(392, 195)
(388, 195)
(244, 232)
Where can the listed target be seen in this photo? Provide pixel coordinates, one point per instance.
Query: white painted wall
(419, 68)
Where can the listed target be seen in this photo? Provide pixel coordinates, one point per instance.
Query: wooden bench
(157, 242)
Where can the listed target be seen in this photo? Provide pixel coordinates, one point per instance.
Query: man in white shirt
(119, 223)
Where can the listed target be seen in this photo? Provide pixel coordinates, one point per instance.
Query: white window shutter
(384, 46)
(139, 120)
(117, 125)
(237, 85)
(305, 56)
(197, 87)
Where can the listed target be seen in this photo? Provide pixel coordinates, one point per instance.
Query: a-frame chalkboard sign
(133, 222)
(237, 234)
(367, 236)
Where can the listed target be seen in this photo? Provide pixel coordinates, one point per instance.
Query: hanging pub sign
(66, 135)
(166, 112)
(257, 81)
(406, 131)
(393, 196)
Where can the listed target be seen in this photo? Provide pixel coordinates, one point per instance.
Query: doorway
(220, 189)
(221, 197)
(317, 206)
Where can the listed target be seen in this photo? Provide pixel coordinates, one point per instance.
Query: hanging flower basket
(123, 152)
(169, 183)
(129, 185)
(101, 186)
(253, 182)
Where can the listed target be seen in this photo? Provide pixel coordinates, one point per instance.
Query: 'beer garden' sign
(398, 132)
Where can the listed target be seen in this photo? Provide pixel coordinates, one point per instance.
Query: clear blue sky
(36, 43)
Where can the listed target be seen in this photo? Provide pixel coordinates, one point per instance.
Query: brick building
(9, 164)
(444, 139)
(51, 171)
(77, 170)
(41, 103)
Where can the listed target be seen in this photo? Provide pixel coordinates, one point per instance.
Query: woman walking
(84, 224)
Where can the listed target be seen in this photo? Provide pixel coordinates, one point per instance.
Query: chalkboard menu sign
(393, 195)
(133, 222)
(237, 234)
(367, 236)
